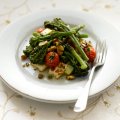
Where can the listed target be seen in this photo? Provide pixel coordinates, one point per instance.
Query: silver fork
(101, 50)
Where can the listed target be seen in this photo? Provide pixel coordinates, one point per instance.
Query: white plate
(13, 39)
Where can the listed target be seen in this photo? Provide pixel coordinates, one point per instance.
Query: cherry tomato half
(39, 30)
(52, 59)
(91, 53)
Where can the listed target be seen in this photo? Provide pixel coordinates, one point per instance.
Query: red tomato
(52, 59)
(39, 30)
(91, 53)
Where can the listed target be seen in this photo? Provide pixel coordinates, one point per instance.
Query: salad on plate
(60, 49)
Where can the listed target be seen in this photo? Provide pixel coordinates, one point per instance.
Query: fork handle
(81, 103)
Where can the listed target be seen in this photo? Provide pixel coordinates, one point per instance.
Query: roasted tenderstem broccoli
(66, 37)
(60, 25)
(83, 64)
(77, 70)
(37, 54)
(54, 34)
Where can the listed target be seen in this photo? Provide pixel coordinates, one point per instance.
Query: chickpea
(60, 49)
(70, 77)
(23, 57)
(40, 76)
(52, 48)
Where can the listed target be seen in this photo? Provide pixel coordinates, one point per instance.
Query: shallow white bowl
(13, 39)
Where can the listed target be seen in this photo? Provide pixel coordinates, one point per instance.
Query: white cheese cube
(43, 43)
(46, 31)
(41, 68)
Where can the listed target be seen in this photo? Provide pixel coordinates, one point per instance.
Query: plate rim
(54, 101)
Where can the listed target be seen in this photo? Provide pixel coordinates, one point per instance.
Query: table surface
(16, 107)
